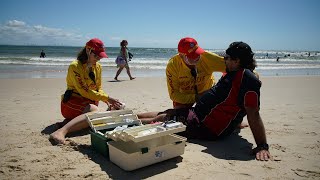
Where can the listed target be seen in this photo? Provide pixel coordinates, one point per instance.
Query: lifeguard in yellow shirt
(84, 90)
(190, 72)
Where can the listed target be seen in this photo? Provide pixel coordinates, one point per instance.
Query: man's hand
(262, 155)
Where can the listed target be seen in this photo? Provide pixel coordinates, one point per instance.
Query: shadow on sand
(233, 147)
(116, 80)
(113, 171)
(53, 127)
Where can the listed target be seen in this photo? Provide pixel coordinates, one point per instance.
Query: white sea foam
(145, 62)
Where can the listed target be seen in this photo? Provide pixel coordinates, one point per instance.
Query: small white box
(133, 155)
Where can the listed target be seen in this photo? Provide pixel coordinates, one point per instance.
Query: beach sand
(30, 108)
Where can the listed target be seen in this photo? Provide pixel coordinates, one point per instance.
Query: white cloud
(16, 32)
(15, 23)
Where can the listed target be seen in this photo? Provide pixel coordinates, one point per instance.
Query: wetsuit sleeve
(77, 78)
(173, 86)
(251, 99)
(252, 95)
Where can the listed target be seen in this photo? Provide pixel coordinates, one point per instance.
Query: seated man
(222, 108)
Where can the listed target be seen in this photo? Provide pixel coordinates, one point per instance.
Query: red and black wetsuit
(222, 108)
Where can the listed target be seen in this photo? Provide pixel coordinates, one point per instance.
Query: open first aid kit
(120, 136)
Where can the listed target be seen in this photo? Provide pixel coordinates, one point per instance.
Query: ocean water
(24, 62)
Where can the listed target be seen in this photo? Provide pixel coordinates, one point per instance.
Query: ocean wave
(147, 59)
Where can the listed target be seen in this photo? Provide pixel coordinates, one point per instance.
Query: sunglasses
(190, 61)
(95, 56)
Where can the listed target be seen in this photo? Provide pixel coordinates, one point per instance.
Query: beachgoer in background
(84, 90)
(42, 54)
(221, 109)
(278, 59)
(122, 60)
(189, 73)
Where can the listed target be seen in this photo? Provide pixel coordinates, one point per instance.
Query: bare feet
(132, 78)
(243, 125)
(116, 79)
(57, 137)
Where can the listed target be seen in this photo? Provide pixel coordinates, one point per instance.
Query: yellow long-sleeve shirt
(79, 81)
(181, 83)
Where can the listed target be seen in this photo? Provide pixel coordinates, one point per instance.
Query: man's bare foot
(57, 138)
(132, 78)
(116, 79)
(243, 125)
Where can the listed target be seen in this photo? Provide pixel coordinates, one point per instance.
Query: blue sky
(265, 25)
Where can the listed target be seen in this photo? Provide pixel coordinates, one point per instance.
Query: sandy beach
(31, 107)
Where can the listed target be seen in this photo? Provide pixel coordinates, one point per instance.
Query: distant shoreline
(218, 49)
(30, 72)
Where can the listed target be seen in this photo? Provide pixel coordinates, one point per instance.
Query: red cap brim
(103, 55)
(195, 54)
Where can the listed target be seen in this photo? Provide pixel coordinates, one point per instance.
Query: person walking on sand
(84, 90)
(122, 60)
(221, 109)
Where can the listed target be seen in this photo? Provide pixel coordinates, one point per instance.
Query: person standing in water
(42, 54)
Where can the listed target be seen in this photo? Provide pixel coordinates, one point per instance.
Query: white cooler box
(131, 155)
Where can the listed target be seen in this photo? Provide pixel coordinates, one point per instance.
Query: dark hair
(123, 42)
(242, 51)
(83, 56)
(248, 63)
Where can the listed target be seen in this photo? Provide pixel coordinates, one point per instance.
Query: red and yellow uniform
(85, 90)
(181, 83)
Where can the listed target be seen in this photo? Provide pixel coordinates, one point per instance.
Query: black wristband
(263, 146)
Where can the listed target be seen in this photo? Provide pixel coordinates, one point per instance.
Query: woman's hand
(114, 103)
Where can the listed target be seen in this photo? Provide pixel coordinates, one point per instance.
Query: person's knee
(91, 108)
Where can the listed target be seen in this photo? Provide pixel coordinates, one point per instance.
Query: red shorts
(75, 106)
